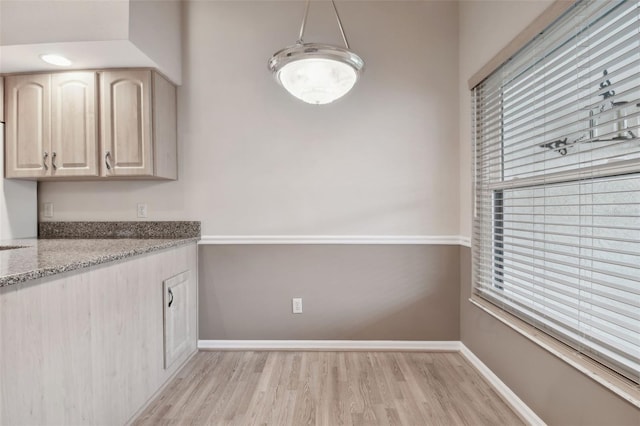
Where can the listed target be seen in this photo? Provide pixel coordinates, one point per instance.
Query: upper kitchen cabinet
(74, 139)
(51, 127)
(138, 124)
(27, 133)
(53, 130)
(92, 34)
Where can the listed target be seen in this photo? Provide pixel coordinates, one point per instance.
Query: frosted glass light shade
(317, 80)
(316, 74)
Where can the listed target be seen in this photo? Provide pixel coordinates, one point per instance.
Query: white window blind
(556, 238)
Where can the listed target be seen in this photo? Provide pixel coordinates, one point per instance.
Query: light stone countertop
(45, 257)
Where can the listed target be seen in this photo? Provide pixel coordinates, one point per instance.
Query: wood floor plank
(328, 388)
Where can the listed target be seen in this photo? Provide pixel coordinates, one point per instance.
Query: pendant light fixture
(317, 73)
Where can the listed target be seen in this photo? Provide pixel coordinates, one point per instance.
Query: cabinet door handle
(106, 160)
(53, 160)
(44, 160)
(170, 300)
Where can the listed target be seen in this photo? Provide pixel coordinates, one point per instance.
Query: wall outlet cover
(47, 210)
(142, 210)
(296, 303)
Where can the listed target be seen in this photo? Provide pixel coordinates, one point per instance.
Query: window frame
(620, 384)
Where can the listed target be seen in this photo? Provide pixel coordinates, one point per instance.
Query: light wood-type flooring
(328, 388)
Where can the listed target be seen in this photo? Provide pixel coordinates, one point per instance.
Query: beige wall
(555, 391)
(155, 28)
(253, 160)
(46, 21)
(361, 292)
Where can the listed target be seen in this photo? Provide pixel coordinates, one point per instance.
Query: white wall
(155, 28)
(485, 27)
(46, 21)
(253, 160)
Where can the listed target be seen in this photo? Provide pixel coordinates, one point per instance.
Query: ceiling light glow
(58, 60)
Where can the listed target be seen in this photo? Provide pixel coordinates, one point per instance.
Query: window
(556, 238)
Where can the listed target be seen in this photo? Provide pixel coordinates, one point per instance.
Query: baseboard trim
(522, 409)
(330, 345)
(336, 239)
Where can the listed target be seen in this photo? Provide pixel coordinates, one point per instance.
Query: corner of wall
(163, 47)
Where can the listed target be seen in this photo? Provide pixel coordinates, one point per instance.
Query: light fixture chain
(304, 24)
(344, 37)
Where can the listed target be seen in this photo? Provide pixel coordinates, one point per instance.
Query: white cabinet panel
(177, 300)
(87, 347)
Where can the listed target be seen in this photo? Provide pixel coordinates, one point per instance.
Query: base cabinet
(88, 347)
(177, 327)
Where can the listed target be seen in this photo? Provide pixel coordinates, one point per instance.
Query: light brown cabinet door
(27, 132)
(125, 106)
(74, 145)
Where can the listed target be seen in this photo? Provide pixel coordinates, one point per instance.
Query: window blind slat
(620, 299)
(633, 268)
(624, 331)
(522, 102)
(599, 299)
(546, 271)
(566, 33)
(559, 263)
(492, 88)
(537, 137)
(534, 240)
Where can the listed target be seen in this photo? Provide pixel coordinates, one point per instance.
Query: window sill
(617, 384)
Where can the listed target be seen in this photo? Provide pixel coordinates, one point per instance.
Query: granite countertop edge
(21, 277)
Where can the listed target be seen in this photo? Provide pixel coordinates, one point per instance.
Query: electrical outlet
(47, 210)
(296, 303)
(142, 210)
